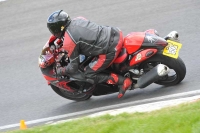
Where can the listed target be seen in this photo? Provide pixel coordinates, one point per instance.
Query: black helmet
(57, 22)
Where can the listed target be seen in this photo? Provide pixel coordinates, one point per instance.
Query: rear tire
(71, 96)
(177, 65)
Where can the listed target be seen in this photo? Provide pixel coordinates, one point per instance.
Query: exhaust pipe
(172, 35)
(152, 76)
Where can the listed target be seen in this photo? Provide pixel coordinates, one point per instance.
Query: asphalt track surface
(24, 93)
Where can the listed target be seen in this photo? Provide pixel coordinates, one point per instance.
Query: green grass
(184, 118)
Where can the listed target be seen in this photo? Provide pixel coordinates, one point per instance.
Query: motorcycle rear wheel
(176, 66)
(71, 96)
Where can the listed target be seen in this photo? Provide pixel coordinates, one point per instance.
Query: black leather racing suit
(90, 39)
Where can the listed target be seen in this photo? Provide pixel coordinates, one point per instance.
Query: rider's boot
(124, 83)
(125, 86)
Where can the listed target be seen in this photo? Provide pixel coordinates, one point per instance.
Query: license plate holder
(172, 49)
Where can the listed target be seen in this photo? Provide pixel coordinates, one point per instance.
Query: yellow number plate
(172, 49)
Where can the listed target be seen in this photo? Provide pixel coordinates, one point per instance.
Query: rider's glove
(62, 56)
(60, 71)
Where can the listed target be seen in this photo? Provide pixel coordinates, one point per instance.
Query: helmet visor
(54, 30)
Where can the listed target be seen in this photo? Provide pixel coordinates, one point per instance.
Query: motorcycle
(145, 58)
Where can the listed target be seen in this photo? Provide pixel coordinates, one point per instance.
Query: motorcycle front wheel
(76, 96)
(177, 69)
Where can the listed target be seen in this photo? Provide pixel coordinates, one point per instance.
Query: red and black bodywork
(138, 47)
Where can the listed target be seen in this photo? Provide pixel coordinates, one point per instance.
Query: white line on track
(102, 109)
(2, 0)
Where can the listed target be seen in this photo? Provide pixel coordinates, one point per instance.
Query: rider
(81, 36)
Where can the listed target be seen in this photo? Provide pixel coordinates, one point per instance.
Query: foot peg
(153, 75)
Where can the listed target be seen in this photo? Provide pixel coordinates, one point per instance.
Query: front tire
(71, 96)
(176, 65)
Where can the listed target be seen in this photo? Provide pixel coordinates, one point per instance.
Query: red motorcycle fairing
(49, 79)
(46, 60)
(141, 56)
(48, 74)
(63, 85)
(57, 83)
(133, 41)
(142, 40)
